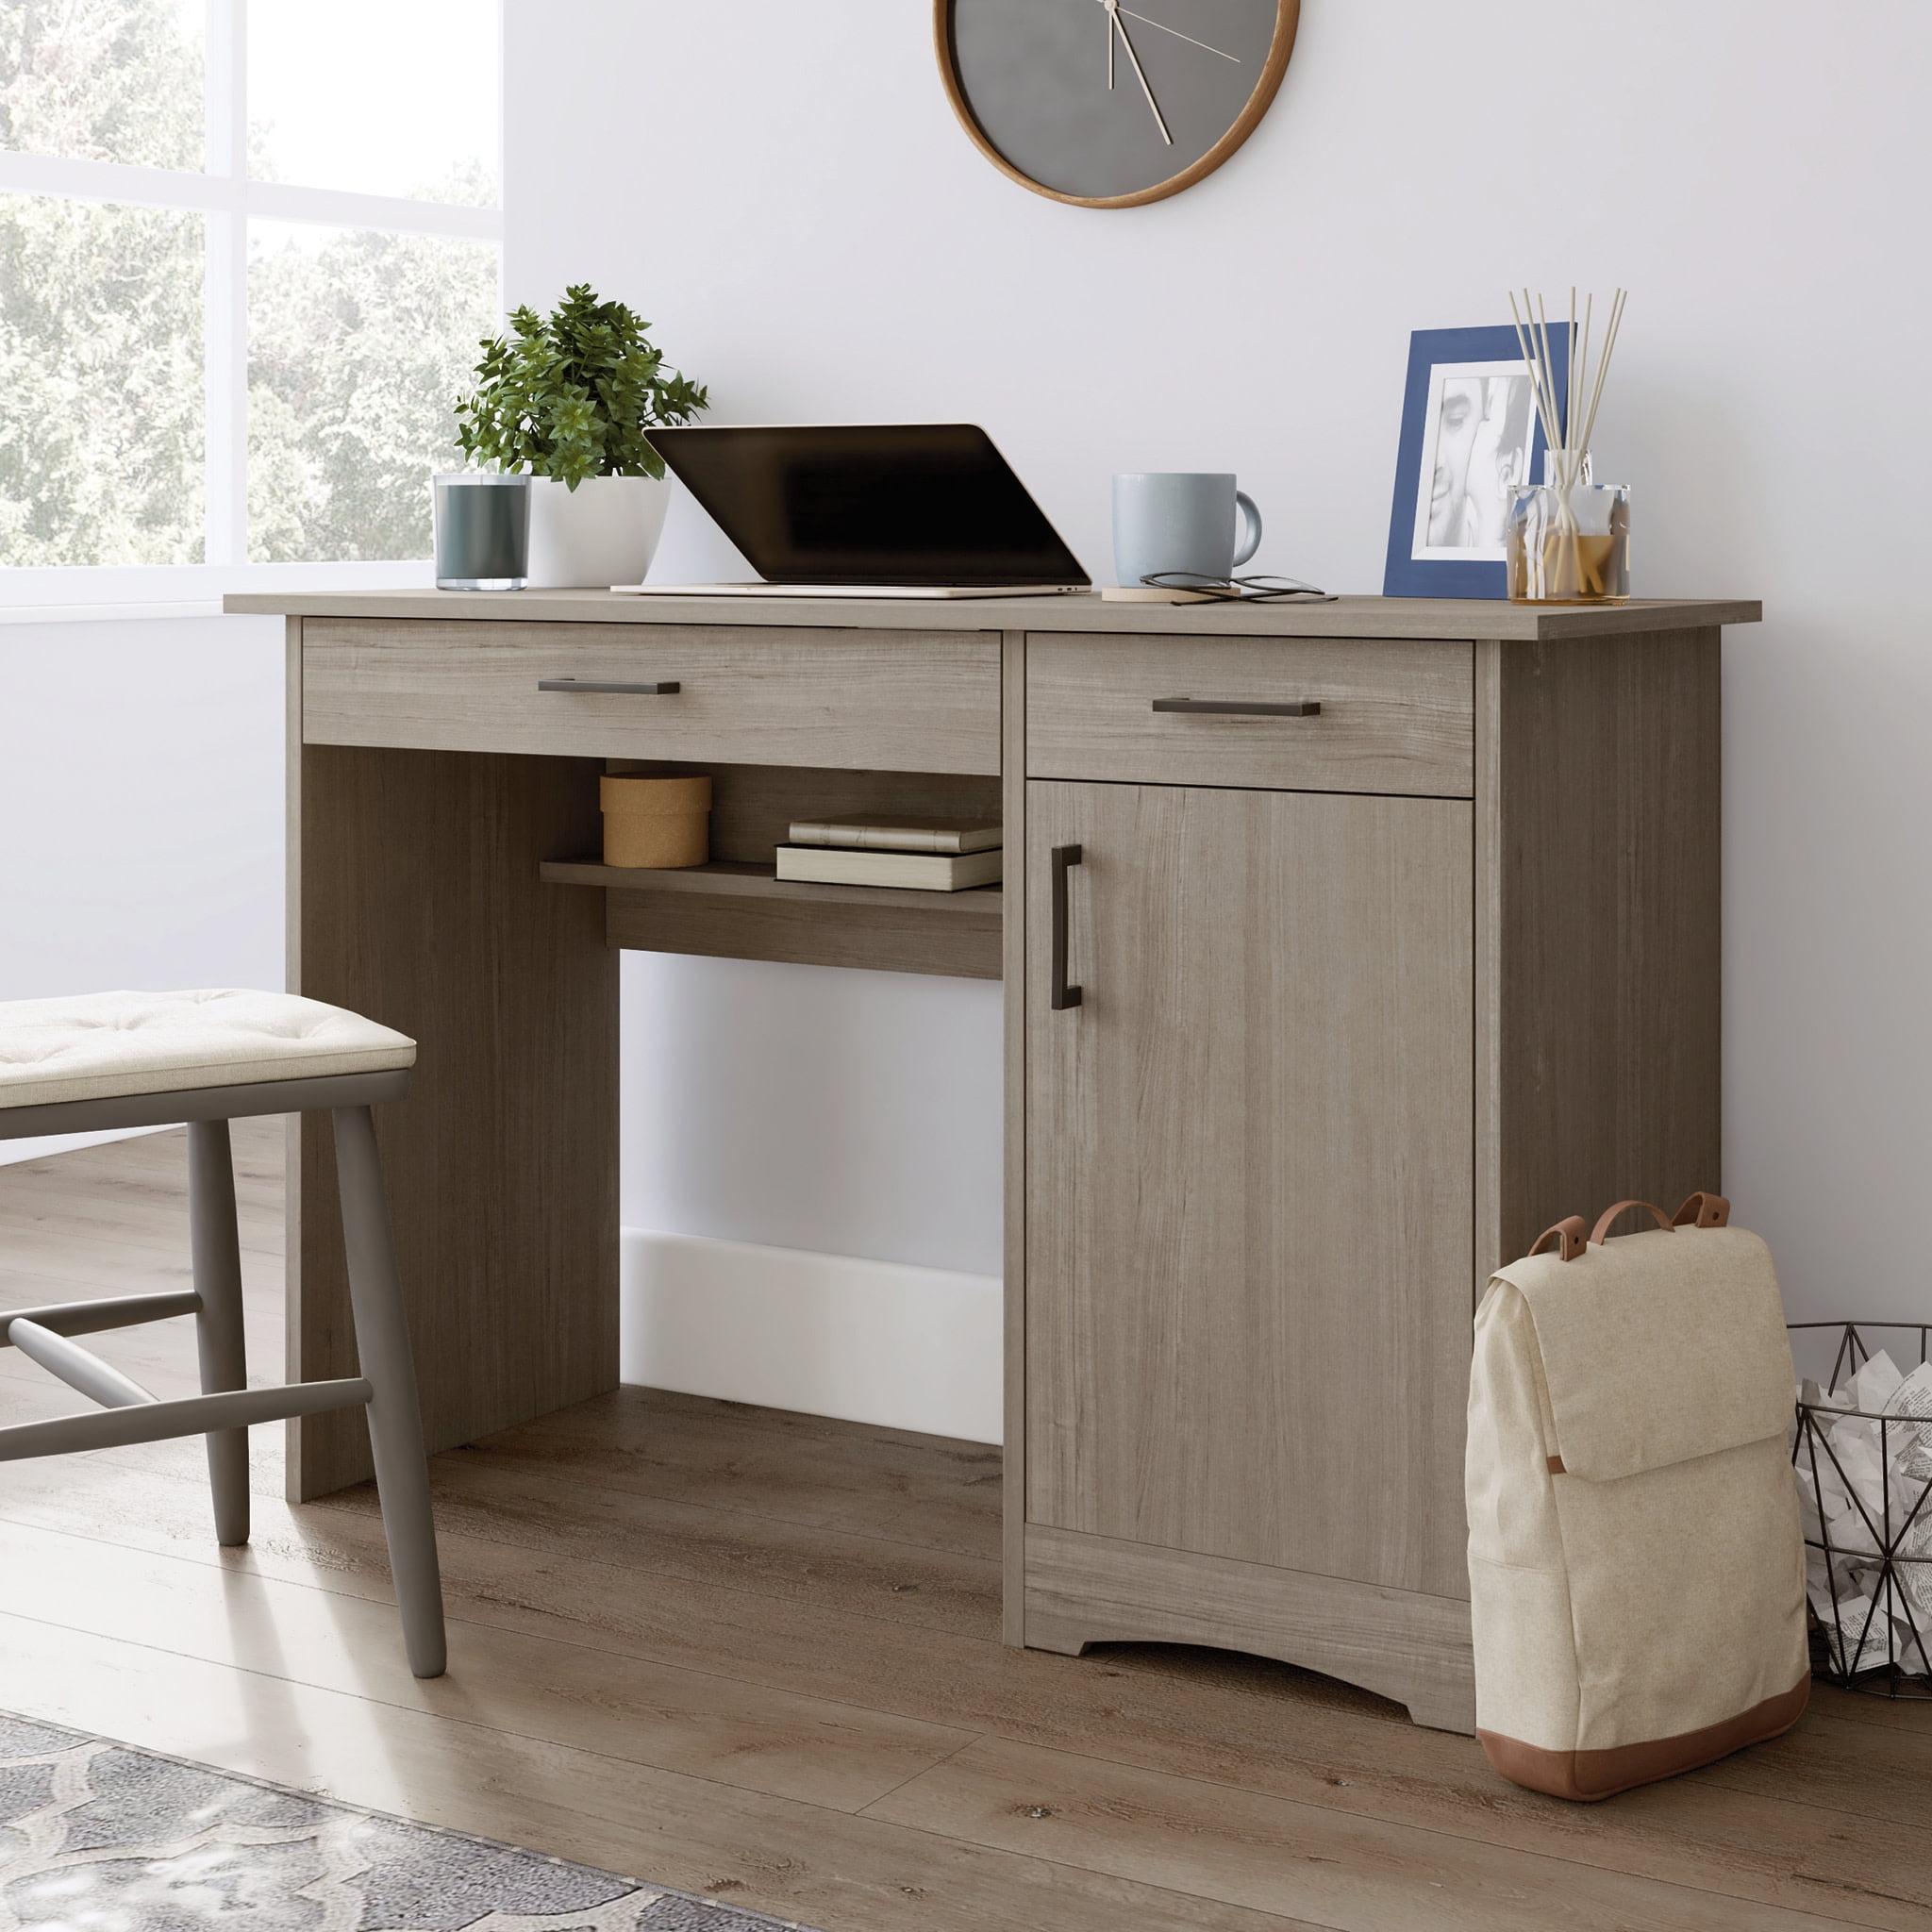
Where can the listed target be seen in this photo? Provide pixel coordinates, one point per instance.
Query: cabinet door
(1249, 1156)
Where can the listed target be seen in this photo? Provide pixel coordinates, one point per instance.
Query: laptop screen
(903, 503)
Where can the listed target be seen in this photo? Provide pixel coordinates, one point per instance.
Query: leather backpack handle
(1568, 1235)
(1702, 1211)
(1601, 1230)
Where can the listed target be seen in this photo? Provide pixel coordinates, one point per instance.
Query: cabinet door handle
(1242, 708)
(1063, 996)
(642, 690)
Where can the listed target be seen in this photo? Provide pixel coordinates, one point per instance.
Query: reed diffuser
(1568, 538)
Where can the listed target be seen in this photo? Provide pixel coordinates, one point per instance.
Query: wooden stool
(133, 1060)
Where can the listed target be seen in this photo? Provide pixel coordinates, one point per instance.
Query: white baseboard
(870, 1342)
(44, 1144)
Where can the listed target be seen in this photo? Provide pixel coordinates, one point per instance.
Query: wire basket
(1865, 1485)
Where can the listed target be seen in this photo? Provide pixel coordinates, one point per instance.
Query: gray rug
(94, 1834)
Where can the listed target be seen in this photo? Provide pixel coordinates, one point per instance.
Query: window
(247, 250)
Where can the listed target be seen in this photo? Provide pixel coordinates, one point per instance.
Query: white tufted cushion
(100, 1045)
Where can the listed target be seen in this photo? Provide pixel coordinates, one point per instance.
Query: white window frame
(228, 199)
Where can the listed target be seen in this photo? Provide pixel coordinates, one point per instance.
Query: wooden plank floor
(756, 1655)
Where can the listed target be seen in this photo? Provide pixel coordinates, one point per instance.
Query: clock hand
(1179, 36)
(1145, 20)
(1113, 14)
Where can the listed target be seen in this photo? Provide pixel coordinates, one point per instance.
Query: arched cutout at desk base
(1401, 1644)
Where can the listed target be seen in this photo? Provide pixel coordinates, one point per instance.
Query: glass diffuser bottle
(1567, 541)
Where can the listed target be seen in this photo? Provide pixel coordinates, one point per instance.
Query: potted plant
(568, 398)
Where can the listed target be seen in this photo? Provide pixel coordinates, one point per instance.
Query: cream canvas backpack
(1636, 1567)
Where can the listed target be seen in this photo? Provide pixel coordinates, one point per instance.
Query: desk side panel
(1013, 897)
(1601, 894)
(415, 899)
(292, 972)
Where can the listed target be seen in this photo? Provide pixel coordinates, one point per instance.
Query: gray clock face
(1035, 77)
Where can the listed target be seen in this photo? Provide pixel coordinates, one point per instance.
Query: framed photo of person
(1470, 435)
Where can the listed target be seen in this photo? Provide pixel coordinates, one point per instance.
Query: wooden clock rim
(1287, 18)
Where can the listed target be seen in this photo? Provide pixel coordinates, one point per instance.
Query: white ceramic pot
(603, 532)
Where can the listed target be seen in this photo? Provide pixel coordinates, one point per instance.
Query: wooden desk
(1371, 994)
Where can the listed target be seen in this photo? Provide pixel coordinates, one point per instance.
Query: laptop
(890, 509)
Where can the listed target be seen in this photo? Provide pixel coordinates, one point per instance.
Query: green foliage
(100, 306)
(572, 396)
(100, 81)
(356, 338)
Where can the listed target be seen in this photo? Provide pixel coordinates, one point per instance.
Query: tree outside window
(326, 287)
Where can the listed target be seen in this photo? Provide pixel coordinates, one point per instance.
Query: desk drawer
(1395, 716)
(853, 699)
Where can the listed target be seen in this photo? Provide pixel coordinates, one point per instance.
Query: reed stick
(1582, 357)
(1559, 455)
(1533, 363)
(1616, 322)
(1567, 430)
(1570, 373)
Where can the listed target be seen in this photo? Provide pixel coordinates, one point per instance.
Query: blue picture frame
(1417, 565)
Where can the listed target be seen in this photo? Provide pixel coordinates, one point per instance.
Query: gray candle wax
(482, 532)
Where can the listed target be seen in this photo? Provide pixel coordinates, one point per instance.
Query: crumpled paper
(1862, 1486)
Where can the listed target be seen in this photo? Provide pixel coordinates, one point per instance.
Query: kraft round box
(659, 824)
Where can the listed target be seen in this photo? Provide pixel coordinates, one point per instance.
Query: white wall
(140, 808)
(783, 191)
(786, 1113)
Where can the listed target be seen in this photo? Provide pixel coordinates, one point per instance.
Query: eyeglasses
(1239, 590)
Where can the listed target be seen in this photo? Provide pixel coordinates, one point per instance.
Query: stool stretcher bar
(112, 1311)
(193, 1415)
(78, 1367)
(227, 1407)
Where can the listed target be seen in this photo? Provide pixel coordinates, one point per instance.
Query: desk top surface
(1448, 618)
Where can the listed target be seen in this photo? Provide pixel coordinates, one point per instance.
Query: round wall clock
(1109, 103)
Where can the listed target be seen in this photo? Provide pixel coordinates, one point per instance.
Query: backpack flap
(1657, 1347)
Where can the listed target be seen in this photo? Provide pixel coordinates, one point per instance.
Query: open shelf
(732, 879)
(733, 910)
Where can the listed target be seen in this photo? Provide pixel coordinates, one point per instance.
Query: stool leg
(395, 1420)
(219, 1335)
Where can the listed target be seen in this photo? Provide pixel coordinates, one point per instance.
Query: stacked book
(928, 854)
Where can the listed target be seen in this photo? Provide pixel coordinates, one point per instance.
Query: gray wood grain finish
(723, 878)
(1487, 937)
(1248, 1175)
(1463, 618)
(791, 921)
(1470, 932)
(955, 934)
(1394, 717)
(905, 699)
(1603, 898)
(1412, 1647)
(1013, 1235)
(295, 1137)
(421, 905)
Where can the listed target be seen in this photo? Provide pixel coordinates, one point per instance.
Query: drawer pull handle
(1242, 708)
(1062, 995)
(581, 684)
